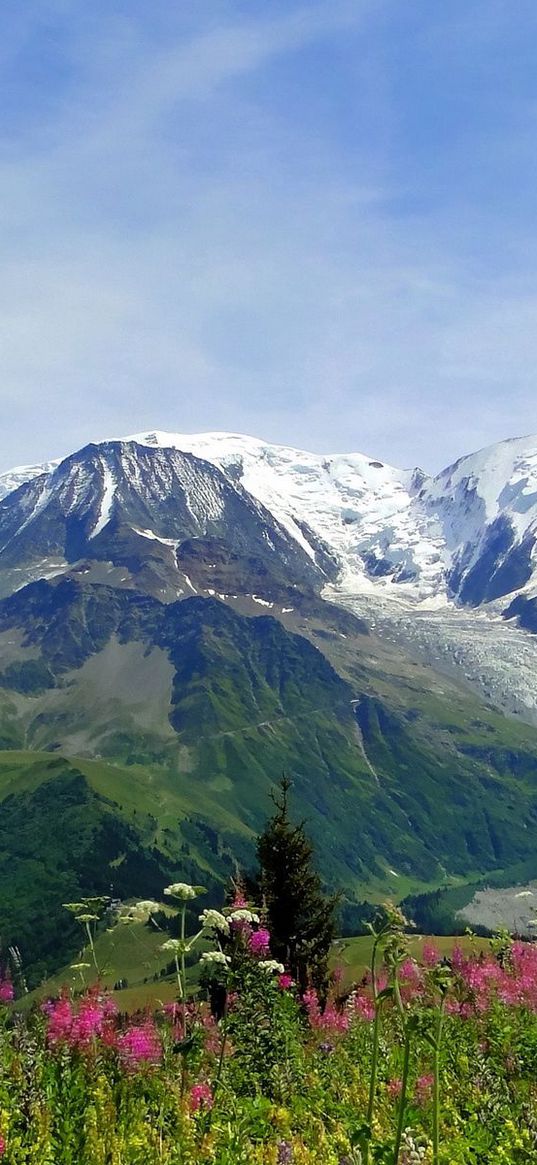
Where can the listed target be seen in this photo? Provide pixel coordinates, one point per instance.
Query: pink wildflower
(6, 991)
(140, 1045)
(424, 1086)
(285, 981)
(79, 1028)
(457, 957)
(3, 1146)
(453, 1007)
(200, 1096)
(411, 980)
(430, 954)
(60, 1019)
(259, 942)
(330, 1020)
(394, 1088)
(88, 1024)
(363, 1007)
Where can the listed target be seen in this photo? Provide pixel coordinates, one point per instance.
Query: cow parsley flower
(216, 957)
(271, 966)
(213, 919)
(177, 946)
(183, 891)
(139, 911)
(243, 916)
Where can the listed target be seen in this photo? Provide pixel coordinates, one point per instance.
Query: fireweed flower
(88, 1024)
(430, 954)
(140, 1045)
(424, 1087)
(363, 1007)
(201, 1096)
(259, 942)
(6, 991)
(60, 1016)
(3, 1146)
(285, 981)
(331, 1021)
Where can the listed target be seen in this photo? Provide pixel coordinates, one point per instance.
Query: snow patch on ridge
(107, 499)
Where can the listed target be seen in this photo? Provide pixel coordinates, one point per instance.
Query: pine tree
(301, 918)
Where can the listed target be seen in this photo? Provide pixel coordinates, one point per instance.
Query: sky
(313, 222)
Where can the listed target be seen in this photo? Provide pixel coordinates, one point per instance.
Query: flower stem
(375, 1049)
(436, 1082)
(402, 1101)
(222, 1048)
(183, 966)
(92, 948)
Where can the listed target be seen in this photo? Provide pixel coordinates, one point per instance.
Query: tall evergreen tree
(301, 917)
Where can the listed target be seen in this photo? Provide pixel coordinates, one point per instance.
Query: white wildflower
(243, 915)
(215, 920)
(215, 957)
(176, 945)
(183, 891)
(271, 966)
(139, 911)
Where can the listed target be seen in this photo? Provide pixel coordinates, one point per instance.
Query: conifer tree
(300, 916)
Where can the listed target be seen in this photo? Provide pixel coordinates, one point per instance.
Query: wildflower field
(425, 1060)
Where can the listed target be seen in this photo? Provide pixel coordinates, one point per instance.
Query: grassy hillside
(153, 734)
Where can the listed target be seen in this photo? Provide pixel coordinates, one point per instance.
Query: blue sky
(313, 222)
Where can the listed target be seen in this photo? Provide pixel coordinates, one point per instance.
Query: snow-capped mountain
(466, 535)
(416, 554)
(21, 474)
(141, 508)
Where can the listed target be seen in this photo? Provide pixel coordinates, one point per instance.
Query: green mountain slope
(142, 740)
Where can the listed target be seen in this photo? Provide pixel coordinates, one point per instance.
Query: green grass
(353, 955)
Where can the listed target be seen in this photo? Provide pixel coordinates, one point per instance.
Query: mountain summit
(466, 535)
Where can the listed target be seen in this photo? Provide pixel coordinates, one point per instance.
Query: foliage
(301, 917)
(432, 1061)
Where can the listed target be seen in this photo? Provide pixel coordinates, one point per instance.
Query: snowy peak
(467, 535)
(486, 504)
(22, 474)
(128, 504)
(336, 503)
(500, 479)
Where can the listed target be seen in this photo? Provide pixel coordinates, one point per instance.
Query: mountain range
(184, 617)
